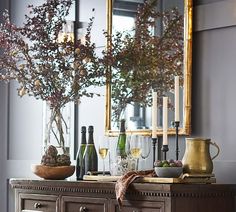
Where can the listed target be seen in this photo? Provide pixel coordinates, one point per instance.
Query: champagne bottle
(90, 155)
(120, 148)
(79, 156)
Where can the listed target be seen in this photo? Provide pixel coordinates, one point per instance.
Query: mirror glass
(151, 42)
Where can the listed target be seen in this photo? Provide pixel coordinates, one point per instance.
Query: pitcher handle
(217, 147)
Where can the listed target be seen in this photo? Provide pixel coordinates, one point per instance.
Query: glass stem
(103, 169)
(136, 167)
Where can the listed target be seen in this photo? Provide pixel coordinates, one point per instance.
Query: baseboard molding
(214, 15)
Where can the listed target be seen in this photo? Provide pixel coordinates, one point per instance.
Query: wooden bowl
(53, 173)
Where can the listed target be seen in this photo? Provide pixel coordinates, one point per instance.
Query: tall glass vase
(58, 128)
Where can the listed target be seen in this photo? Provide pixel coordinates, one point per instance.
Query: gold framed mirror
(139, 110)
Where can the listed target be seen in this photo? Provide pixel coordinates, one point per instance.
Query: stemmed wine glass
(135, 148)
(127, 146)
(146, 146)
(103, 150)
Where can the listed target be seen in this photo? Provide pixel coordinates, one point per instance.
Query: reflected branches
(145, 58)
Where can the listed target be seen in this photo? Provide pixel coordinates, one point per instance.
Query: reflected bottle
(80, 171)
(120, 148)
(90, 155)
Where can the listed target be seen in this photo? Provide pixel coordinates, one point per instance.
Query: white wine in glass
(135, 152)
(135, 148)
(103, 150)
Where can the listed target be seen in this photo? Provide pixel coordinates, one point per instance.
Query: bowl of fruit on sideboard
(168, 168)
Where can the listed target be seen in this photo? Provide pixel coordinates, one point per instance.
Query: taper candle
(165, 120)
(176, 98)
(154, 114)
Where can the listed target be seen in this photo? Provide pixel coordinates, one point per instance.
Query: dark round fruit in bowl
(168, 163)
(173, 172)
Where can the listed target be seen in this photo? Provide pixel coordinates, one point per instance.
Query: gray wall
(214, 83)
(214, 77)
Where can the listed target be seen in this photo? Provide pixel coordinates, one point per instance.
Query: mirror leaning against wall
(150, 45)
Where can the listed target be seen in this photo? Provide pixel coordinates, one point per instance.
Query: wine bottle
(79, 156)
(90, 155)
(120, 148)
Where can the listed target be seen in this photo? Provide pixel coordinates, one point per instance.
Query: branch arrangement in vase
(53, 70)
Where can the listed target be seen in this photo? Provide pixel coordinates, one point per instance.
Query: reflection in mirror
(150, 46)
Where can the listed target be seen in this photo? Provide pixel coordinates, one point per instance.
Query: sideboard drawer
(83, 204)
(138, 206)
(38, 202)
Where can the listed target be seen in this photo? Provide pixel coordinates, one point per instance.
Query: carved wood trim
(139, 190)
(63, 189)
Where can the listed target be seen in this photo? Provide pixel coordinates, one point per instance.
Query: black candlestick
(164, 149)
(154, 141)
(159, 146)
(177, 139)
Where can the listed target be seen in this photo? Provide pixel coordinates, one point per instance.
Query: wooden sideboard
(88, 196)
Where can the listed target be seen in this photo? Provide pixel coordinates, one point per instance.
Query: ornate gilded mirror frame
(187, 84)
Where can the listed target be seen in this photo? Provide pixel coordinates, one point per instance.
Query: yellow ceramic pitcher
(197, 158)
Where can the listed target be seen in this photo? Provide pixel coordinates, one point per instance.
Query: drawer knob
(37, 205)
(83, 209)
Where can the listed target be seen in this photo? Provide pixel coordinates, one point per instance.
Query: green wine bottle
(90, 155)
(79, 156)
(120, 148)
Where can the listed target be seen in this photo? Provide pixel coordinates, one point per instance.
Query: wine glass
(135, 148)
(127, 146)
(103, 150)
(146, 145)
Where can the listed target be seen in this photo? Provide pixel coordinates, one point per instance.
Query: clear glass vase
(57, 128)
